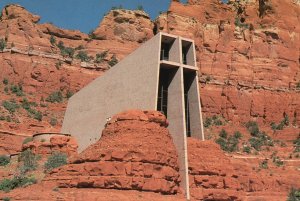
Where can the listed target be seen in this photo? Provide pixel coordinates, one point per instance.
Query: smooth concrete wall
(195, 108)
(174, 54)
(176, 117)
(131, 84)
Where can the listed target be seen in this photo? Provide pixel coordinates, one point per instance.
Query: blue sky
(84, 15)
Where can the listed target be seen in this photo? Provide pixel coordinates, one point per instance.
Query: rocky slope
(136, 153)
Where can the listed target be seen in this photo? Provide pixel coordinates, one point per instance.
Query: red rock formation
(56, 143)
(249, 62)
(125, 25)
(135, 152)
(215, 176)
(10, 143)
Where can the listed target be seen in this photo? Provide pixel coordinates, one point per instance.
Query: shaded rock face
(135, 152)
(58, 143)
(247, 53)
(125, 25)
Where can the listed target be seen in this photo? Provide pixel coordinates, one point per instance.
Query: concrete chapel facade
(160, 75)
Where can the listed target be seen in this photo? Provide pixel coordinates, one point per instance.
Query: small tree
(101, 56)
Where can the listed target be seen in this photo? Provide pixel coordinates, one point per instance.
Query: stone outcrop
(125, 25)
(52, 143)
(135, 152)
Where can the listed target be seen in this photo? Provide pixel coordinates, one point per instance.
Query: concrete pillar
(176, 117)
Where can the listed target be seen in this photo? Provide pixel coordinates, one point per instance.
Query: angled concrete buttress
(160, 75)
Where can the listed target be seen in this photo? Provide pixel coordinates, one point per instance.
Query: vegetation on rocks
(294, 195)
(55, 97)
(229, 143)
(10, 106)
(16, 182)
(4, 160)
(55, 160)
(28, 160)
(214, 120)
(2, 44)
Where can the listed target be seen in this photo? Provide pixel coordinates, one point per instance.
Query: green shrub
(55, 160)
(5, 81)
(282, 124)
(92, 34)
(264, 164)
(223, 133)
(229, 144)
(4, 160)
(237, 135)
(101, 56)
(16, 182)
(2, 44)
(294, 195)
(247, 149)
(214, 120)
(53, 121)
(83, 56)
(6, 199)
(207, 122)
(298, 85)
(10, 106)
(52, 40)
(253, 128)
(55, 97)
(113, 61)
(240, 24)
(67, 52)
(17, 89)
(29, 160)
(69, 94)
(297, 144)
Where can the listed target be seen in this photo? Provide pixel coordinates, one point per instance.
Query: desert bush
(16, 182)
(261, 139)
(298, 85)
(101, 56)
(247, 149)
(83, 56)
(69, 94)
(294, 195)
(55, 160)
(52, 40)
(5, 81)
(297, 144)
(264, 164)
(55, 97)
(53, 121)
(10, 106)
(28, 160)
(17, 89)
(4, 160)
(253, 128)
(6, 199)
(276, 160)
(214, 120)
(282, 124)
(229, 144)
(2, 44)
(113, 61)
